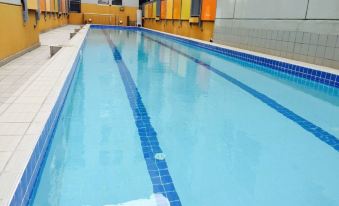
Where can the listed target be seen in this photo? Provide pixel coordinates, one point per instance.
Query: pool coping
(20, 173)
(40, 131)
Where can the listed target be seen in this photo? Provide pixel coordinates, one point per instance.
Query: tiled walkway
(26, 84)
(17, 72)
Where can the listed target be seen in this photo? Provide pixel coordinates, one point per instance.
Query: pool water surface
(152, 121)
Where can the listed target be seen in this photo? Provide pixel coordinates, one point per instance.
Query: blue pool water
(227, 132)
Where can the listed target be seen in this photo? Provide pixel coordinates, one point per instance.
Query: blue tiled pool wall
(25, 187)
(298, 71)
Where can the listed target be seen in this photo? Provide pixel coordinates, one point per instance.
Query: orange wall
(163, 10)
(208, 10)
(183, 28)
(52, 5)
(176, 9)
(42, 5)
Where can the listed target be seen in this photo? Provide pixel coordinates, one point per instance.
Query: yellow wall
(154, 12)
(169, 9)
(183, 28)
(32, 4)
(186, 9)
(14, 35)
(51, 21)
(76, 18)
(104, 14)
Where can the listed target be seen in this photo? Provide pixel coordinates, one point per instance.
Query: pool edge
(25, 184)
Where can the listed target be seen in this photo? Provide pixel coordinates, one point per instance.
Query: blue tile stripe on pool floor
(157, 169)
(317, 131)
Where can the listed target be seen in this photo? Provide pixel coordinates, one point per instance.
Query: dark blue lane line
(317, 131)
(157, 169)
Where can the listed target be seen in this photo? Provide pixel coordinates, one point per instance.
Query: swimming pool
(150, 120)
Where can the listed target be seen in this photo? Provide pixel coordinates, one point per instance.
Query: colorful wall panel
(32, 4)
(143, 10)
(176, 9)
(63, 6)
(169, 9)
(48, 5)
(196, 8)
(208, 11)
(186, 9)
(163, 9)
(150, 10)
(154, 6)
(146, 11)
(42, 5)
(158, 13)
(56, 4)
(52, 5)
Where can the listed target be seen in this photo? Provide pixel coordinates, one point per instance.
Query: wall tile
(286, 35)
(318, 61)
(336, 54)
(274, 35)
(290, 47)
(314, 38)
(300, 45)
(297, 48)
(292, 36)
(312, 50)
(306, 38)
(304, 49)
(269, 34)
(280, 35)
(329, 53)
(331, 40)
(322, 40)
(336, 64)
(309, 59)
(299, 37)
(320, 51)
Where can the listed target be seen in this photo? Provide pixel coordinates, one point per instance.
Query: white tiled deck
(17, 72)
(29, 87)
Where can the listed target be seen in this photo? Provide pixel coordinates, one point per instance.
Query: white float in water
(159, 156)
